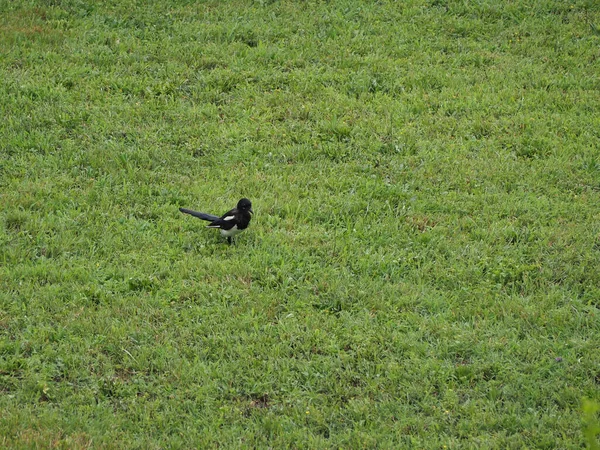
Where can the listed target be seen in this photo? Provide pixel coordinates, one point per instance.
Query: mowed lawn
(423, 268)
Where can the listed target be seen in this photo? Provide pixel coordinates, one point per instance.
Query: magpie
(230, 223)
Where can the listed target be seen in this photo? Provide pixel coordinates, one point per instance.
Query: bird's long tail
(199, 215)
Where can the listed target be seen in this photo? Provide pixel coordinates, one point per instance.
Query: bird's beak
(251, 212)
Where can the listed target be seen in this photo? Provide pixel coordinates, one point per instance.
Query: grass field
(423, 268)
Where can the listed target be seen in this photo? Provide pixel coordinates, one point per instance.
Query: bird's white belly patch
(231, 232)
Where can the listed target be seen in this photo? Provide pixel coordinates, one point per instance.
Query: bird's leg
(229, 240)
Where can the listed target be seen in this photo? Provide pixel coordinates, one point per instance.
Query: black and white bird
(231, 223)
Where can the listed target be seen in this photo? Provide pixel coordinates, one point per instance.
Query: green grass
(423, 266)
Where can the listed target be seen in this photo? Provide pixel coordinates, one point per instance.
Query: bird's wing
(226, 222)
(200, 215)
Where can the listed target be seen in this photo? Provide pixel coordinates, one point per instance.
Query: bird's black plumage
(200, 215)
(231, 223)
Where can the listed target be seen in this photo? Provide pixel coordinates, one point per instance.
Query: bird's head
(245, 205)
